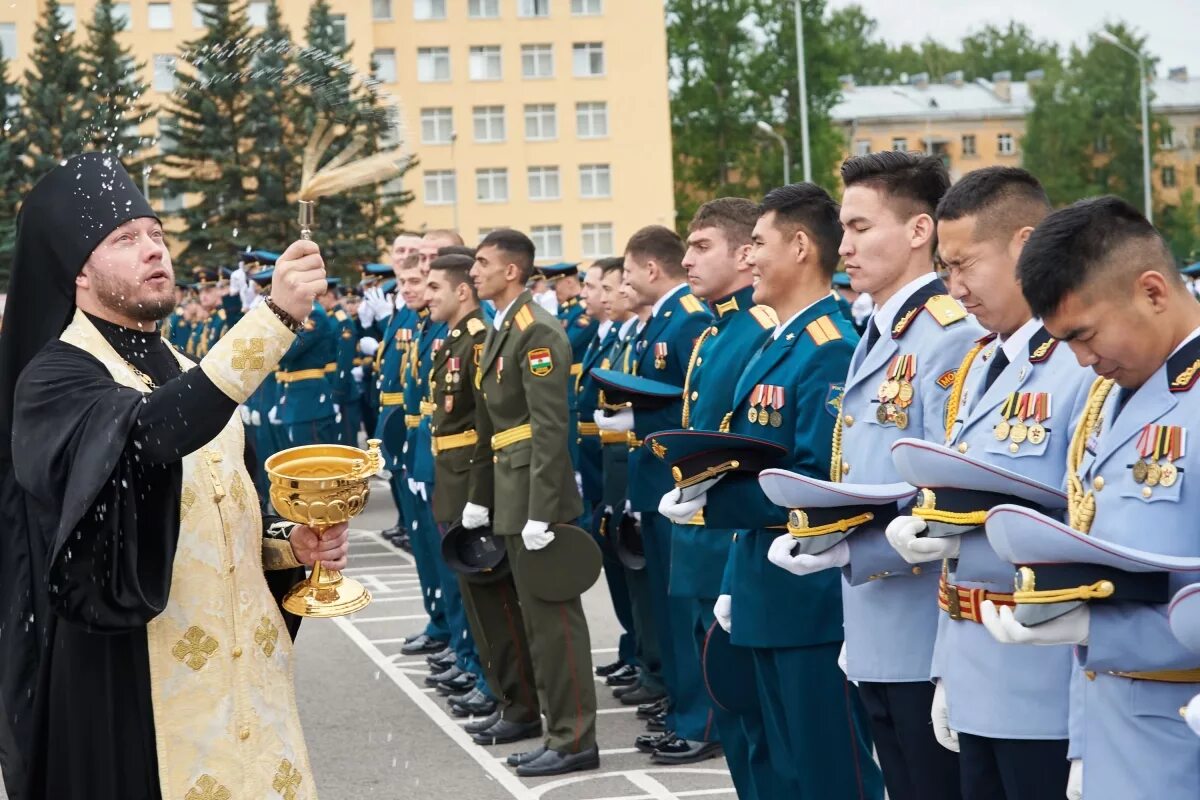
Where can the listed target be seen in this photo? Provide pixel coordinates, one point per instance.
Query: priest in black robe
(91, 483)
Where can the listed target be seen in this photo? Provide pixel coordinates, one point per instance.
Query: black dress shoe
(459, 685)
(627, 675)
(640, 696)
(421, 645)
(505, 732)
(445, 656)
(517, 759)
(553, 762)
(439, 678)
(657, 723)
(480, 725)
(604, 670)
(474, 703)
(392, 532)
(648, 710)
(685, 751)
(649, 742)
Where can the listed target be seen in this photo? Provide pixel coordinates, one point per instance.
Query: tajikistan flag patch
(540, 362)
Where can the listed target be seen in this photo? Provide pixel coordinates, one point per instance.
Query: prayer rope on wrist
(287, 319)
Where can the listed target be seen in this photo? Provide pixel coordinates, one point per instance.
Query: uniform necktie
(1123, 396)
(872, 333)
(995, 368)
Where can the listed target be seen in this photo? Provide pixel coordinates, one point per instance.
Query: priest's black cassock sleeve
(101, 468)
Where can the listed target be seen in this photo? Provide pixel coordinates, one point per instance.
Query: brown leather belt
(963, 603)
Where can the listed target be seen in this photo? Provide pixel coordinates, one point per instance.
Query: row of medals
(894, 397)
(1154, 474)
(1018, 432)
(762, 417)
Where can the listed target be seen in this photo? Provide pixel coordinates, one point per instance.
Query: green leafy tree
(208, 148)
(1013, 48)
(1181, 227)
(114, 102)
(12, 168)
(52, 92)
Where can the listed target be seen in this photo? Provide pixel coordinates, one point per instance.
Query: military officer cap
(372, 273)
(822, 513)
(634, 390)
(265, 258)
(563, 569)
(388, 286)
(728, 672)
(696, 456)
(1191, 270)
(555, 272)
(1060, 568)
(628, 543)
(957, 490)
(841, 280)
(263, 277)
(180, 283)
(207, 276)
(477, 554)
(1184, 616)
(333, 285)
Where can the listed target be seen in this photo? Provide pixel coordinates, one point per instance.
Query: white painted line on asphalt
(496, 771)
(360, 620)
(621, 710)
(688, 793)
(648, 785)
(603, 650)
(375, 598)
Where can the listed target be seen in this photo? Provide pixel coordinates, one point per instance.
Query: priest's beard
(136, 301)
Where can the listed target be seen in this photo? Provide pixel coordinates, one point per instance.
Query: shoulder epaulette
(690, 304)
(221, 313)
(339, 315)
(1183, 368)
(523, 318)
(945, 309)
(476, 326)
(583, 320)
(1041, 345)
(764, 316)
(822, 330)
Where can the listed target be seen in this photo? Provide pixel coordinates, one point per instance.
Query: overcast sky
(1173, 26)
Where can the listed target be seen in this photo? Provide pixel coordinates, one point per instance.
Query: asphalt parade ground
(375, 730)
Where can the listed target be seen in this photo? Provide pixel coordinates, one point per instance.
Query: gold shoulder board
(945, 309)
(476, 326)
(339, 315)
(690, 304)
(822, 330)
(765, 316)
(524, 318)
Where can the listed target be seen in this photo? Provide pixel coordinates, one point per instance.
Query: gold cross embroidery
(287, 780)
(238, 491)
(266, 635)
(195, 648)
(187, 500)
(247, 354)
(207, 788)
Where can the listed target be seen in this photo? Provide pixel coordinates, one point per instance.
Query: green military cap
(563, 569)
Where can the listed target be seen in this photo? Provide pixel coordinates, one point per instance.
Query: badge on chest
(766, 405)
(897, 391)
(1159, 447)
(1022, 419)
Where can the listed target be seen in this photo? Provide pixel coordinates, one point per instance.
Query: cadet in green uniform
(523, 373)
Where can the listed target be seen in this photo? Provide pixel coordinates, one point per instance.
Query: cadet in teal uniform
(176, 329)
(580, 327)
(305, 407)
(788, 393)
(347, 392)
(655, 274)
(210, 286)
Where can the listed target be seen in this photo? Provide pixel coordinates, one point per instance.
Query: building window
(122, 16)
(257, 14)
(385, 65)
(483, 9)
(483, 233)
(597, 239)
(429, 9)
(544, 183)
(491, 185)
(338, 23)
(485, 63)
(547, 241)
(595, 180)
(533, 8)
(1004, 144)
(900, 144)
(1168, 177)
(591, 120)
(537, 61)
(8, 40)
(381, 10)
(1166, 139)
(541, 122)
(160, 16)
(968, 144)
(587, 8)
(437, 125)
(164, 73)
(66, 14)
(172, 203)
(1196, 137)
(862, 147)
(588, 59)
(1198, 174)
(439, 187)
(489, 124)
(433, 64)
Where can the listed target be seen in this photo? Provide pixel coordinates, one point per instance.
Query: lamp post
(804, 150)
(1107, 36)
(787, 153)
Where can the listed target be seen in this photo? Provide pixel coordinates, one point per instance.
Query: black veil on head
(62, 220)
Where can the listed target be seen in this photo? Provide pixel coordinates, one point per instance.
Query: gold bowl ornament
(323, 485)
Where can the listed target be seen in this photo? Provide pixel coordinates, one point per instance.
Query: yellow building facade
(550, 116)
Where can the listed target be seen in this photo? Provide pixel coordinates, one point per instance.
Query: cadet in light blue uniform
(655, 274)
(1015, 400)
(787, 394)
(304, 407)
(1104, 282)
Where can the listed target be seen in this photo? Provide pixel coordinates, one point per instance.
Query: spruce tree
(208, 156)
(53, 92)
(12, 168)
(114, 104)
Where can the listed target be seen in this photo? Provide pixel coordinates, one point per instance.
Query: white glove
(902, 535)
(536, 535)
(368, 345)
(474, 516)
(245, 414)
(419, 489)
(1075, 780)
(412, 485)
(723, 611)
(940, 716)
(273, 415)
(357, 374)
(1070, 628)
(680, 512)
(781, 556)
(620, 422)
(1192, 715)
(375, 300)
(255, 418)
(365, 315)
(842, 662)
(237, 281)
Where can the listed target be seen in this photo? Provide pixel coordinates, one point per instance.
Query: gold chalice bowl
(322, 485)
